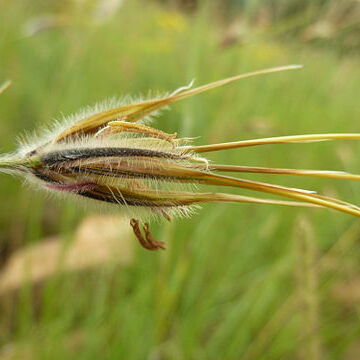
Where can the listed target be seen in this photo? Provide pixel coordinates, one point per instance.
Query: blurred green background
(237, 281)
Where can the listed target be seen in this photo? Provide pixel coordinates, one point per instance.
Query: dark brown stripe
(45, 178)
(123, 200)
(55, 157)
(106, 197)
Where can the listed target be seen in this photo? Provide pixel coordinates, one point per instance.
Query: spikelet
(110, 154)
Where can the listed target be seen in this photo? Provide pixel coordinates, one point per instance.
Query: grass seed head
(108, 154)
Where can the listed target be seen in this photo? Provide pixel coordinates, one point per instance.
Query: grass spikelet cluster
(110, 154)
